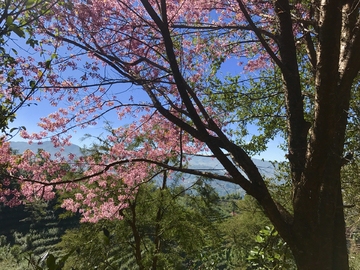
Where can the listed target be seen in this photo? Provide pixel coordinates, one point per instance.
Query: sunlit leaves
(271, 252)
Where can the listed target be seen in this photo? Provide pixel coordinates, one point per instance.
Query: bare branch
(124, 161)
(219, 27)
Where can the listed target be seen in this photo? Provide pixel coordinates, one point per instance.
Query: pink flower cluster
(122, 36)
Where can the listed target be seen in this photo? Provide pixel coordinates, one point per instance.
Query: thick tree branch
(109, 166)
(350, 53)
(297, 126)
(310, 49)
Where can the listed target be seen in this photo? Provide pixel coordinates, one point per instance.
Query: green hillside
(32, 228)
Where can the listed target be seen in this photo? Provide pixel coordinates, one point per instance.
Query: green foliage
(9, 255)
(280, 185)
(47, 261)
(232, 196)
(161, 226)
(244, 221)
(30, 231)
(245, 103)
(354, 260)
(197, 231)
(351, 188)
(271, 252)
(258, 101)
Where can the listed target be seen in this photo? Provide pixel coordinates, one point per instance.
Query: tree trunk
(319, 226)
(159, 216)
(322, 246)
(318, 254)
(137, 237)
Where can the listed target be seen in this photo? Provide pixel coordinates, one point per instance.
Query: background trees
(305, 55)
(160, 229)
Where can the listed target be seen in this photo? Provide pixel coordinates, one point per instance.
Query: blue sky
(29, 116)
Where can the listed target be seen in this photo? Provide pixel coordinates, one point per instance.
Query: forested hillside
(198, 230)
(34, 228)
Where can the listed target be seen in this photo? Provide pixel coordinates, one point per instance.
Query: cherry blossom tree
(308, 51)
(18, 19)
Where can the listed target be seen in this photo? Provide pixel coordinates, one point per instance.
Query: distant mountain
(223, 188)
(47, 146)
(200, 163)
(265, 167)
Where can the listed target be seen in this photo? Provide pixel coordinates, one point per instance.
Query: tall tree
(171, 50)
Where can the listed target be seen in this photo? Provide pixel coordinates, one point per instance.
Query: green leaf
(30, 3)
(48, 64)
(32, 84)
(9, 21)
(106, 232)
(259, 239)
(17, 30)
(105, 236)
(11, 73)
(50, 262)
(32, 42)
(63, 259)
